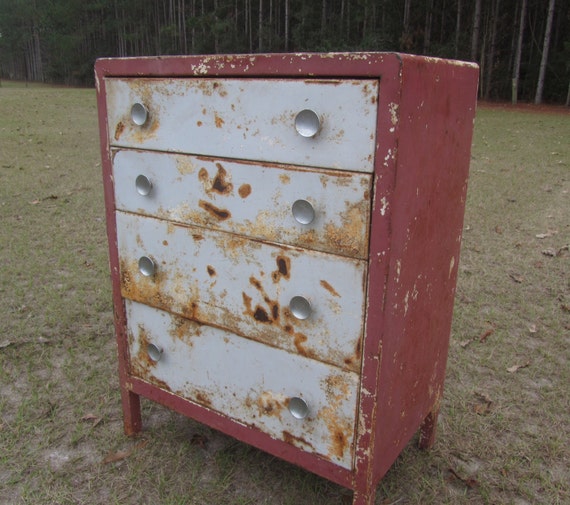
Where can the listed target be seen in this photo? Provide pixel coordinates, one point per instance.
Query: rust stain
(283, 269)
(244, 190)
(329, 288)
(119, 130)
(144, 289)
(218, 121)
(221, 214)
(211, 270)
(291, 439)
(337, 390)
(203, 398)
(220, 185)
(350, 237)
(203, 175)
(353, 362)
(269, 315)
(197, 236)
(184, 165)
(269, 404)
(185, 330)
(165, 243)
(199, 123)
(141, 365)
(284, 178)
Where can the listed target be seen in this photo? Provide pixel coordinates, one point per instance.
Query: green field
(504, 428)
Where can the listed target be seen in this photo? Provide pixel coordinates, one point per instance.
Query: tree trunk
(427, 29)
(260, 28)
(476, 28)
(286, 25)
(457, 28)
(544, 59)
(492, 46)
(517, 65)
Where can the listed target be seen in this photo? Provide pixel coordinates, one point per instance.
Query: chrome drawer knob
(147, 267)
(298, 408)
(154, 352)
(300, 307)
(139, 114)
(303, 212)
(143, 185)
(307, 123)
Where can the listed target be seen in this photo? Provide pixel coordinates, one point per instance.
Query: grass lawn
(504, 430)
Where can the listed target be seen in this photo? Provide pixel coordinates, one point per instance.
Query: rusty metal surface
(249, 199)
(252, 119)
(423, 113)
(248, 381)
(245, 286)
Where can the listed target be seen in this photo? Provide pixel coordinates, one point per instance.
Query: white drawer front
(248, 287)
(247, 381)
(252, 119)
(248, 199)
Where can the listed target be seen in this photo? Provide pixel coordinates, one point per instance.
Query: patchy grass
(503, 435)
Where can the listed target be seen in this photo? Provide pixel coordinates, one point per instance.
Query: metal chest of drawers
(284, 239)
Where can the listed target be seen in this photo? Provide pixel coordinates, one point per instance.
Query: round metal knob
(154, 352)
(303, 212)
(143, 185)
(139, 114)
(307, 123)
(147, 267)
(300, 307)
(298, 408)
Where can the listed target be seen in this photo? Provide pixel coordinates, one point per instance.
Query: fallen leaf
(483, 407)
(532, 328)
(549, 233)
(517, 278)
(562, 249)
(113, 457)
(565, 307)
(514, 368)
(469, 482)
(486, 334)
(35, 202)
(549, 252)
(498, 230)
(92, 418)
(5, 343)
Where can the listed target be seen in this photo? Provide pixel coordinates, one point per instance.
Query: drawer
(247, 381)
(326, 210)
(306, 302)
(321, 123)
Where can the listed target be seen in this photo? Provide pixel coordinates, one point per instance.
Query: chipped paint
(240, 112)
(210, 193)
(196, 278)
(250, 382)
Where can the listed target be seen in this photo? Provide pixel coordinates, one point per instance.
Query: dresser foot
(131, 413)
(364, 496)
(427, 430)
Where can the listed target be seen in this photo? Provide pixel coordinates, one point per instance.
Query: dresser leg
(364, 496)
(427, 430)
(131, 412)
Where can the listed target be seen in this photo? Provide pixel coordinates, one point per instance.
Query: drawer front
(249, 199)
(252, 119)
(247, 381)
(306, 302)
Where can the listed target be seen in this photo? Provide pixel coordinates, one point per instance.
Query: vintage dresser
(284, 237)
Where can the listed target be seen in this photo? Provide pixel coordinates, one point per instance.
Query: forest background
(521, 45)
